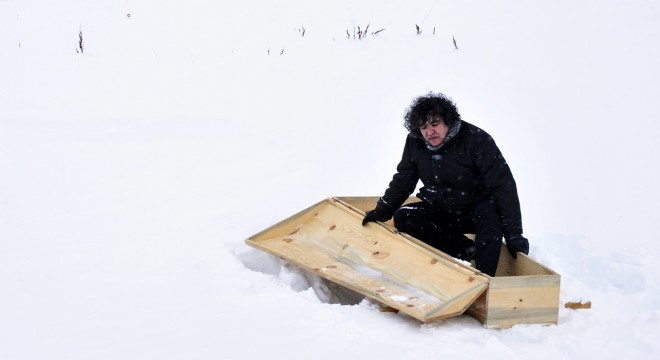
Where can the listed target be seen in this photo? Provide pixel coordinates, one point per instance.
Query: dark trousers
(445, 231)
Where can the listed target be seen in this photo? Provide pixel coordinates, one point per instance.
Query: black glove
(380, 213)
(517, 243)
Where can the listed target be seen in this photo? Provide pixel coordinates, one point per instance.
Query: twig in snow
(360, 33)
(81, 46)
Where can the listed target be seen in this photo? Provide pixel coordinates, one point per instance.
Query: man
(468, 187)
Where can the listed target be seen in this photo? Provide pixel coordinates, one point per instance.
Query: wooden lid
(374, 260)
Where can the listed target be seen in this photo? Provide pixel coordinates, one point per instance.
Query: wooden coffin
(404, 273)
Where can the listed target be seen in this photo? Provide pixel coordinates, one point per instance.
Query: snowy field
(133, 169)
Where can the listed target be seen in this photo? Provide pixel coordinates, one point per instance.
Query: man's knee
(409, 217)
(401, 218)
(486, 216)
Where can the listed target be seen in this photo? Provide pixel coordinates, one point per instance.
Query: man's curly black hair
(425, 107)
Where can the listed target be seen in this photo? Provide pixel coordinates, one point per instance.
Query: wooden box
(406, 274)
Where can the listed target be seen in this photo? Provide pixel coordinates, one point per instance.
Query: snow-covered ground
(132, 171)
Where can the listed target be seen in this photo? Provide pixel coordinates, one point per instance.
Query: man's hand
(377, 214)
(517, 243)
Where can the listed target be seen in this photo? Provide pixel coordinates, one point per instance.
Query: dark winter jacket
(464, 169)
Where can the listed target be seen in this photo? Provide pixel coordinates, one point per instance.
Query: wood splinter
(578, 305)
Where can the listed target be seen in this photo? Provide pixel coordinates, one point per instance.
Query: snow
(132, 172)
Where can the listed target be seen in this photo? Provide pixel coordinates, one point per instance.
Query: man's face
(434, 132)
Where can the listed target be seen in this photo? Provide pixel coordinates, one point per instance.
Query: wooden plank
(329, 240)
(523, 300)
